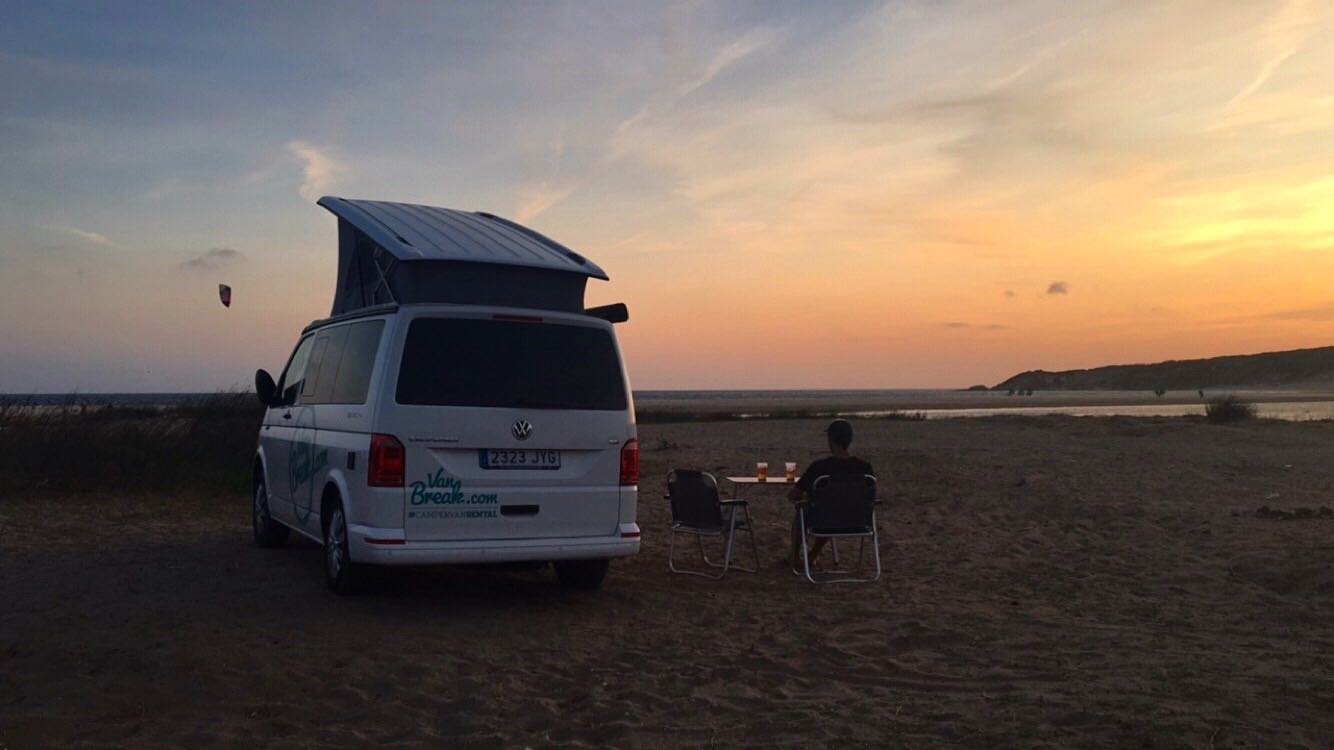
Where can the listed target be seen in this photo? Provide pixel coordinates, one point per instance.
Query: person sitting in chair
(839, 462)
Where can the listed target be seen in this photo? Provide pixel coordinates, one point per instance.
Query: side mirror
(617, 313)
(265, 388)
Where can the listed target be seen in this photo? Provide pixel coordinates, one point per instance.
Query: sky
(804, 195)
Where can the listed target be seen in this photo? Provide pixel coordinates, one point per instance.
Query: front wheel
(343, 576)
(581, 574)
(268, 532)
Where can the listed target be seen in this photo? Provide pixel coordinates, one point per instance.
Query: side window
(327, 353)
(295, 373)
(358, 360)
(319, 361)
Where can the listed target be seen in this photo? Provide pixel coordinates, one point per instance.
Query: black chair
(841, 507)
(697, 509)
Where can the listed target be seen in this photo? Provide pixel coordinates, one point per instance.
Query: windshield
(500, 363)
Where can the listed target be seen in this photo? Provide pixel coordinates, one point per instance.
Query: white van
(460, 406)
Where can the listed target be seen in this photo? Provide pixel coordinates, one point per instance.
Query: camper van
(460, 405)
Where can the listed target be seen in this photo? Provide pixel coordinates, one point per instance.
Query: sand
(1050, 582)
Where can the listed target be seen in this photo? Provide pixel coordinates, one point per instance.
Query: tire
(268, 532)
(343, 576)
(585, 575)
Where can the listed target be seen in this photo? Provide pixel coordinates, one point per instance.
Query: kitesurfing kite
(225, 294)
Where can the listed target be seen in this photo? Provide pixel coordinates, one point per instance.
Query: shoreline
(937, 404)
(665, 407)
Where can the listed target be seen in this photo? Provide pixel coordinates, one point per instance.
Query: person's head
(839, 433)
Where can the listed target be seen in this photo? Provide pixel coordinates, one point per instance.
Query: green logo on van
(439, 489)
(303, 463)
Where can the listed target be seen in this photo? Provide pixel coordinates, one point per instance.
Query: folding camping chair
(840, 507)
(698, 510)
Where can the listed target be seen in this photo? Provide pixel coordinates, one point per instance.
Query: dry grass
(203, 446)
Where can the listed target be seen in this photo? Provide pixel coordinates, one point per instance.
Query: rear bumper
(386, 547)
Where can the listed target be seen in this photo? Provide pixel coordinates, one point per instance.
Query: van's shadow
(218, 575)
(456, 591)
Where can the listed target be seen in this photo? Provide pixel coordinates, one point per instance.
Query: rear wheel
(268, 532)
(581, 574)
(343, 576)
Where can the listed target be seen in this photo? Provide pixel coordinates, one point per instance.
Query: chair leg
(754, 548)
(805, 552)
(833, 576)
(703, 553)
(727, 547)
(731, 551)
(671, 560)
(875, 549)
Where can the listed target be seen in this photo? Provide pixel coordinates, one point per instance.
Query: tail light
(387, 462)
(630, 462)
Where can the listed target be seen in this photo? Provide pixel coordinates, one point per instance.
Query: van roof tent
(404, 253)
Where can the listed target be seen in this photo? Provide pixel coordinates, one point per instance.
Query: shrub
(1228, 408)
(204, 446)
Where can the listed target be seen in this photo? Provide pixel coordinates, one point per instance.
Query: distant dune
(1296, 368)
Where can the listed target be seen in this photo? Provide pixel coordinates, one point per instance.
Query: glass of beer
(790, 471)
(762, 471)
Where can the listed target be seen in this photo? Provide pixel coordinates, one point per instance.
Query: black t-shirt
(833, 466)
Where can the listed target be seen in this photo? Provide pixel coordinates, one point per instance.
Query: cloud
(319, 170)
(977, 326)
(213, 259)
(1280, 39)
(83, 234)
(537, 198)
(538, 195)
(634, 133)
(1058, 287)
(1318, 314)
(1042, 55)
(753, 41)
(738, 50)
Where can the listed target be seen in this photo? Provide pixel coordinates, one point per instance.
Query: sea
(1284, 405)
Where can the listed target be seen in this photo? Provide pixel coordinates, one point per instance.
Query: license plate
(504, 458)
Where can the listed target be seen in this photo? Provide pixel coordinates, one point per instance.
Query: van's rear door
(513, 428)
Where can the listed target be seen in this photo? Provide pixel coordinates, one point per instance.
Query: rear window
(500, 363)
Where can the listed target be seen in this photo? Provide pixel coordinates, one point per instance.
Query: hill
(1298, 367)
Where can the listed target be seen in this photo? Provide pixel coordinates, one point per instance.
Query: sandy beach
(1050, 582)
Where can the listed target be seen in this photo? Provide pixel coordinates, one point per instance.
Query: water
(952, 403)
(1292, 411)
(907, 394)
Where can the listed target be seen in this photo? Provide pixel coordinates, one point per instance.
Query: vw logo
(521, 429)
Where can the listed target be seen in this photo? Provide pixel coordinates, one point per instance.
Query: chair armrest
(736, 501)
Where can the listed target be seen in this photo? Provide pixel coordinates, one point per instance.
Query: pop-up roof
(403, 253)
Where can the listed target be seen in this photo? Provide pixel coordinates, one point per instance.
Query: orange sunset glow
(896, 195)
